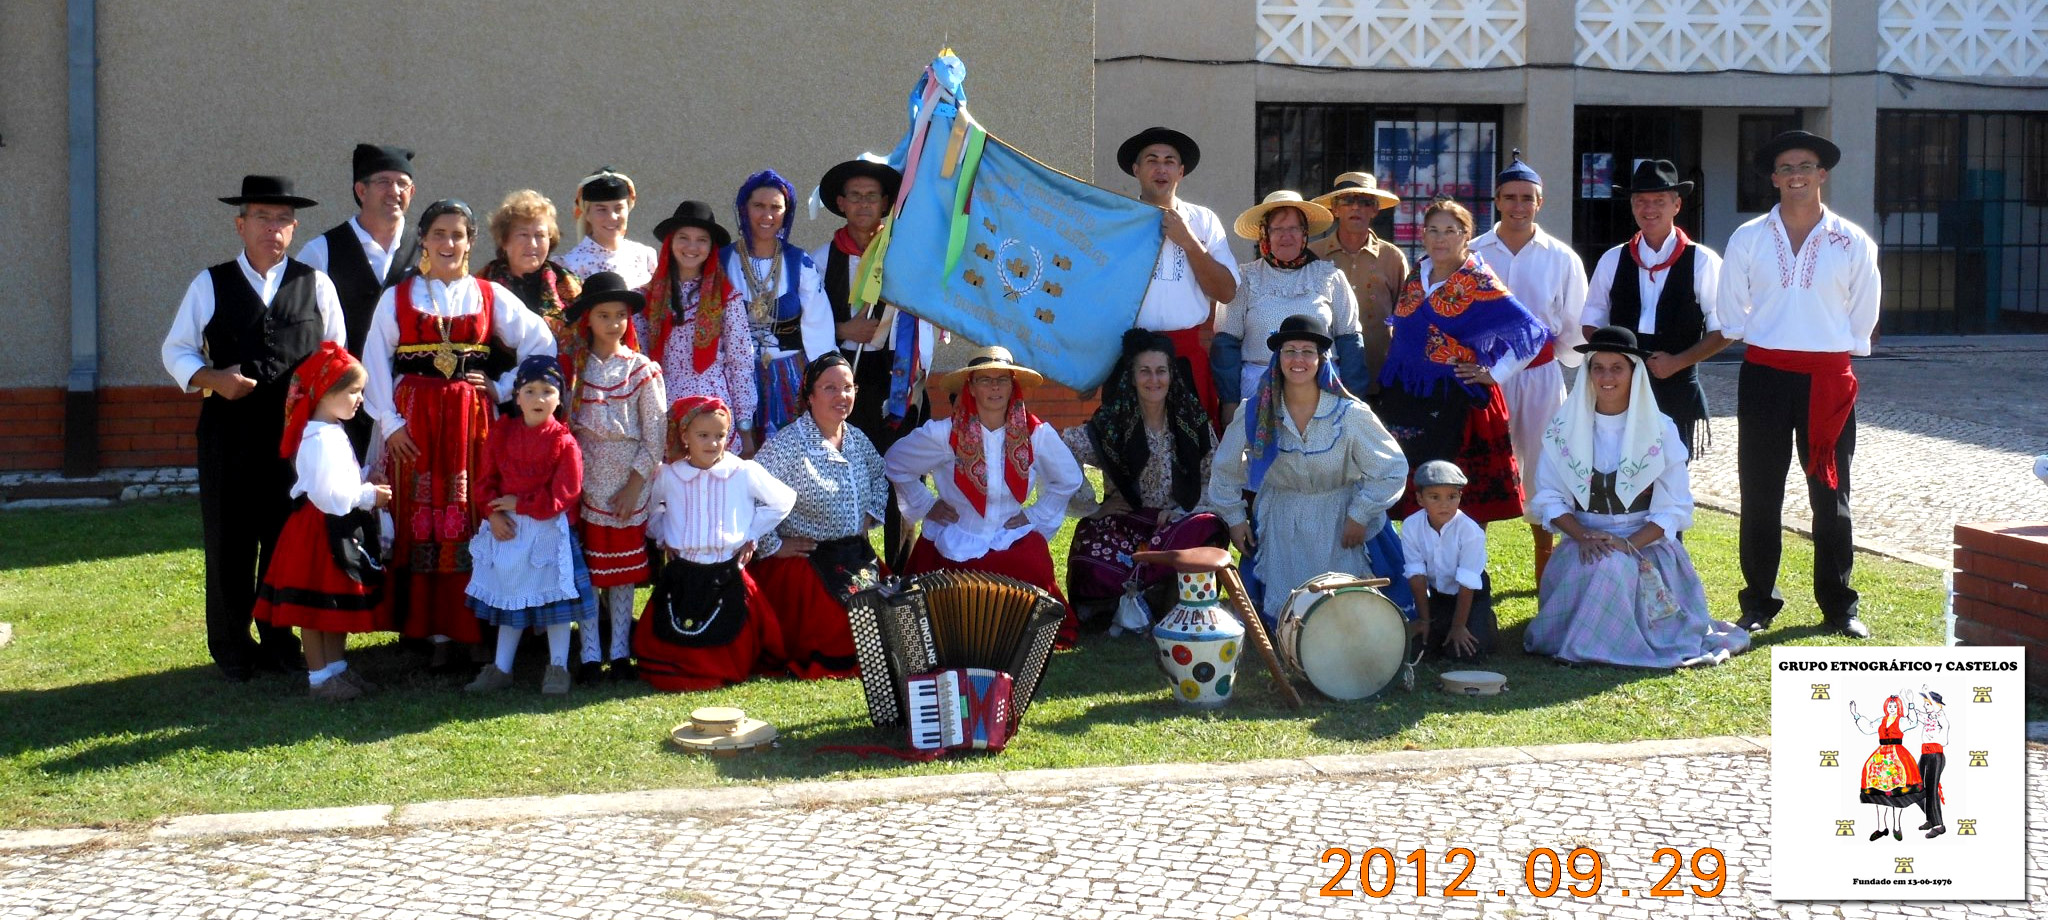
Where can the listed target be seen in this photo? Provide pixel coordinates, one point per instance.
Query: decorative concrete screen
(1694, 36)
(1414, 34)
(1964, 38)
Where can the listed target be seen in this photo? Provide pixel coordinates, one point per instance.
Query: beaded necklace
(762, 307)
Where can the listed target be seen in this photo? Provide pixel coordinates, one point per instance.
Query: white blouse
(1670, 499)
(514, 325)
(705, 516)
(927, 451)
(1452, 558)
(1822, 298)
(328, 474)
(632, 261)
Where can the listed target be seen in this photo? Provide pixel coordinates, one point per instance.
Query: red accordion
(959, 708)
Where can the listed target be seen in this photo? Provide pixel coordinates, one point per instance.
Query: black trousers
(1479, 621)
(1770, 421)
(1931, 765)
(244, 499)
(870, 415)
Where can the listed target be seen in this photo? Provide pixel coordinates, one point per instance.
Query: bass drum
(1346, 639)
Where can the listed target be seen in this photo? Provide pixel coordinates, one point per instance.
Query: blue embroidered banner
(1004, 250)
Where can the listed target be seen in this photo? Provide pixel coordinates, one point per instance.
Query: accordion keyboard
(935, 718)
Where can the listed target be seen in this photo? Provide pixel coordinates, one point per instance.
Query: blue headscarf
(767, 178)
(1517, 171)
(1262, 423)
(543, 368)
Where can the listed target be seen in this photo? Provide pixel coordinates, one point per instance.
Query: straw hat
(1357, 183)
(722, 730)
(1319, 217)
(992, 358)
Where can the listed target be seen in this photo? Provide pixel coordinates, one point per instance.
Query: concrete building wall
(687, 98)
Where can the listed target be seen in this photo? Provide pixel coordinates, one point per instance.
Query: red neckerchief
(970, 467)
(843, 241)
(1635, 253)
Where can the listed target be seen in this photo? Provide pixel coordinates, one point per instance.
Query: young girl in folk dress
(696, 322)
(707, 624)
(325, 578)
(604, 202)
(527, 568)
(618, 419)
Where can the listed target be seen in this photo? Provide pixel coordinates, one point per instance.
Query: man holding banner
(1195, 270)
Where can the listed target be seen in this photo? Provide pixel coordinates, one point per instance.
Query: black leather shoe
(1754, 622)
(1877, 833)
(1936, 832)
(1896, 835)
(621, 670)
(589, 672)
(1853, 628)
(1927, 825)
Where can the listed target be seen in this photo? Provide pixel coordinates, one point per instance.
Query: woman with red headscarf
(696, 322)
(1890, 779)
(985, 461)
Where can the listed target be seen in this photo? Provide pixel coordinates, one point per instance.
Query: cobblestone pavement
(1943, 435)
(1166, 850)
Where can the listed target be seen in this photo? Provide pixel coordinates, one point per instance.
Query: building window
(1753, 190)
(1417, 151)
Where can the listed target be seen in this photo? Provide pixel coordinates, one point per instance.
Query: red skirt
(674, 668)
(431, 507)
(1187, 343)
(816, 637)
(617, 556)
(1028, 560)
(1494, 481)
(305, 588)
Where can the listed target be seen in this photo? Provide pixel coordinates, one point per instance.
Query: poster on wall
(1423, 159)
(1596, 175)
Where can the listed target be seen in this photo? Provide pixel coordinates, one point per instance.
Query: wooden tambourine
(1473, 683)
(723, 731)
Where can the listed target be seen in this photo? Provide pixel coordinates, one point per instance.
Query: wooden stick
(1256, 629)
(1352, 583)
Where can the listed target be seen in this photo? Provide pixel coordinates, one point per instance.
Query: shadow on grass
(62, 536)
(160, 716)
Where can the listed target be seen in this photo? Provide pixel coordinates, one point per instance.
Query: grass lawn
(113, 713)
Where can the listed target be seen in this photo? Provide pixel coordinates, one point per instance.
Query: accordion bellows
(951, 619)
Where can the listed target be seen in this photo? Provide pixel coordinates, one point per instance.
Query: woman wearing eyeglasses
(1286, 279)
(1458, 332)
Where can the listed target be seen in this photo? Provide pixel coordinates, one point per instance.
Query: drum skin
(1347, 642)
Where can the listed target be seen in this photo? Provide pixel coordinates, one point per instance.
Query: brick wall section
(2001, 590)
(153, 426)
(139, 427)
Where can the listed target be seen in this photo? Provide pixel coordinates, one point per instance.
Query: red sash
(1930, 748)
(1829, 399)
(1547, 355)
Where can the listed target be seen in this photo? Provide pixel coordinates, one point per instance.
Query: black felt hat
(694, 214)
(268, 190)
(1190, 152)
(834, 183)
(1617, 339)
(604, 287)
(1301, 327)
(1655, 176)
(371, 159)
(607, 184)
(1766, 158)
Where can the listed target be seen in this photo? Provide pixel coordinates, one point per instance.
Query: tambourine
(722, 730)
(1473, 683)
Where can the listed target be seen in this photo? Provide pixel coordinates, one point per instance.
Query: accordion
(959, 708)
(947, 621)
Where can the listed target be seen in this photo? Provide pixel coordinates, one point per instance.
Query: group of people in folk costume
(712, 416)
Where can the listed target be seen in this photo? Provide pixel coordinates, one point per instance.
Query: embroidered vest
(348, 266)
(1603, 499)
(421, 349)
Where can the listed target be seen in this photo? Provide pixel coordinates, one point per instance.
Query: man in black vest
(243, 326)
(1663, 287)
(861, 191)
(369, 252)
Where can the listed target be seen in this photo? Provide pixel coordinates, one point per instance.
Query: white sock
(586, 631)
(620, 604)
(508, 645)
(338, 666)
(558, 645)
(316, 678)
